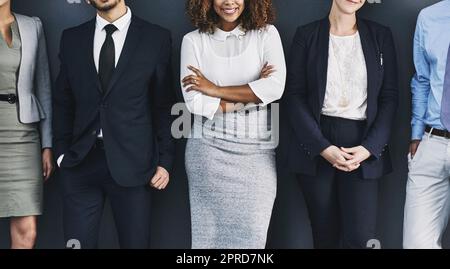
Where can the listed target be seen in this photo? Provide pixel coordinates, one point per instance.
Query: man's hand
(413, 146)
(160, 179)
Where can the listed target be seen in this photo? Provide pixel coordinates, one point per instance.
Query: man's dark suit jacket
(134, 112)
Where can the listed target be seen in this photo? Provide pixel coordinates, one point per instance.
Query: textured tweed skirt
(232, 191)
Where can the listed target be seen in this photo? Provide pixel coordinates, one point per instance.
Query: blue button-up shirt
(431, 43)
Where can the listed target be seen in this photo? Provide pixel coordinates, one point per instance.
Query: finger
(188, 78)
(353, 167)
(165, 184)
(342, 168)
(267, 70)
(265, 75)
(413, 150)
(190, 89)
(347, 155)
(49, 171)
(160, 182)
(352, 162)
(44, 169)
(155, 178)
(340, 161)
(265, 66)
(196, 71)
(190, 82)
(348, 150)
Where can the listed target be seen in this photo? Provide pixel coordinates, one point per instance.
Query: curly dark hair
(256, 15)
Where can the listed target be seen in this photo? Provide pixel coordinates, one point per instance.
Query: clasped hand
(346, 159)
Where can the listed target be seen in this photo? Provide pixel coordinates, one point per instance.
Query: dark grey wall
(290, 225)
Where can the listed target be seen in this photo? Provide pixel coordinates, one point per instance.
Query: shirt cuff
(265, 93)
(204, 105)
(418, 130)
(59, 161)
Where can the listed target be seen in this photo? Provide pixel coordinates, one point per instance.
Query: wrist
(217, 91)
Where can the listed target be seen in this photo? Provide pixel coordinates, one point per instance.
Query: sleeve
(306, 129)
(43, 87)
(63, 106)
(196, 102)
(420, 85)
(164, 98)
(271, 89)
(380, 131)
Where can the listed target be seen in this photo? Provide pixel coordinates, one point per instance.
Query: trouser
(342, 206)
(427, 194)
(85, 188)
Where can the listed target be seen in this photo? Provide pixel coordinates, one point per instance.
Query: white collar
(120, 23)
(221, 35)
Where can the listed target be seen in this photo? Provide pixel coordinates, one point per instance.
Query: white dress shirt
(346, 92)
(122, 24)
(232, 59)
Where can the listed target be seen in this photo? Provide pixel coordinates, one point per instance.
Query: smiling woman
(250, 13)
(341, 98)
(235, 56)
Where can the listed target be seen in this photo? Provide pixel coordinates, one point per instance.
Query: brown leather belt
(437, 132)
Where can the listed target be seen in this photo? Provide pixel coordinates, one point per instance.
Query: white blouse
(232, 59)
(346, 91)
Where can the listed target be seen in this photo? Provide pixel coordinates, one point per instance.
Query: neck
(228, 26)
(5, 13)
(342, 24)
(114, 14)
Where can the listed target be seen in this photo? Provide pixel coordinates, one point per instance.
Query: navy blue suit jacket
(134, 112)
(305, 93)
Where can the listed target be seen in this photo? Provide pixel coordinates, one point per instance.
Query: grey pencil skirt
(232, 191)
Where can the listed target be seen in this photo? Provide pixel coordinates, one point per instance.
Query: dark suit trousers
(85, 188)
(342, 206)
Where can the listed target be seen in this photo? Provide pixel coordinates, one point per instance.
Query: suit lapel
(88, 48)
(26, 40)
(371, 57)
(322, 63)
(131, 41)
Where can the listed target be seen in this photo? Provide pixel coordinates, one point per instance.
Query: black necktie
(107, 60)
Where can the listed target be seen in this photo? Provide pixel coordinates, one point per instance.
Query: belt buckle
(12, 98)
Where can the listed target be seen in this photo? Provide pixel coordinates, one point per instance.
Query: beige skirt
(21, 180)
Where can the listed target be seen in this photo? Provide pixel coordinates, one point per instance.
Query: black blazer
(134, 112)
(305, 92)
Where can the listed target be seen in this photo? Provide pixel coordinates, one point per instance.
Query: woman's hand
(336, 157)
(200, 83)
(47, 163)
(357, 155)
(266, 71)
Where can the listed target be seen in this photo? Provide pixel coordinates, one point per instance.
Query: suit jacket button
(94, 132)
